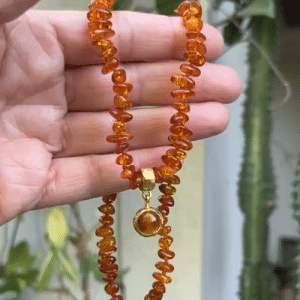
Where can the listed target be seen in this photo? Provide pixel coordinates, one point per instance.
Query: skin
(54, 102)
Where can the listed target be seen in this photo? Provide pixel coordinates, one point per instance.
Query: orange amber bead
(99, 13)
(172, 162)
(162, 278)
(166, 200)
(183, 107)
(119, 76)
(109, 268)
(182, 94)
(119, 127)
(110, 277)
(159, 287)
(121, 148)
(103, 44)
(110, 65)
(102, 34)
(195, 58)
(165, 267)
(166, 254)
(183, 81)
(122, 102)
(109, 53)
(119, 138)
(111, 288)
(109, 198)
(167, 171)
(165, 242)
(107, 260)
(98, 3)
(192, 23)
(100, 24)
(181, 130)
(104, 231)
(172, 179)
(180, 142)
(128, 172)
(107, 209)
(121, 116)
(124, 159)
(165, 230)
(179, 154)
(117, 297)
(195, 45)
(164, 210)
(158, 175)
(122, 88)
(179, 118)
(154, 295)
(183, 7)
(196, 35)
(107, 243)
(190, 70)
(106, 220)
(135, 180)
(148, 222)
(167, 189)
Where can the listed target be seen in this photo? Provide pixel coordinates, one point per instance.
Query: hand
(54, 102)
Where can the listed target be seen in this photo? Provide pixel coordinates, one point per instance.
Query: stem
(5, 228)
(15, 232)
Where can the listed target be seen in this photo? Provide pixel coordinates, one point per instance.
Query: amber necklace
(148, 221)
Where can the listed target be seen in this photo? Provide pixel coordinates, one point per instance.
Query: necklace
(148, 221)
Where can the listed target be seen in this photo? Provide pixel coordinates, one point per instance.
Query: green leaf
(67, 267)
(122, 5)
(57, 227)
(85, 266)
(167, 7)
(46, 271)
(19, 260)
(95, 267)
(9, 284)
(231, 34)
(259, 8)
(73, 240)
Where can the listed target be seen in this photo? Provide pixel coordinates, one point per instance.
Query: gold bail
(148, 180)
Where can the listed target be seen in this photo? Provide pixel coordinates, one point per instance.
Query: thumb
(11, 9)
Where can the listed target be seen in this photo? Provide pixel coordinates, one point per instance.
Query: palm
(54, 120)
(32, 86)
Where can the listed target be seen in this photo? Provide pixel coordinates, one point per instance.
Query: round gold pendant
(148, 221)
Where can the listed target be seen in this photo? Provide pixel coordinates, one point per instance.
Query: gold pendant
(148, 221)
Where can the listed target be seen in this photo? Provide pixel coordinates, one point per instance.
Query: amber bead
(106, 220)
(182, 107)
(122, 102)
(107, 252)
(100, 4)
(162, 278)
(165, 267)
(165, 230)
(172, 162)
(179, 118)
(166, 254)
(119, 127)
(102, 34)
(110, 277)
(195, 45)
(108, 243)
(128, 172)
(172, 179)
(164, 210)
(183, 7)
(167, 189)
(121, 148)
(158, 175)
(182, 94)
(159, 287)
(108, 55)
(122, 88)
(135, 180)
(111, 288)
(119, 76)
(117, 297)
(195, 58)
(100, 24)
(154, 295)
(167, 171)
(99, 13)
(180, 142)
(166, 200)
(148, 223)
(181, 130)
(110, 65)
(124, 159)
(107, 209)
(109, 198)
(107, 260)
(196, 35)
(121, 116)
(179, 154)
(183, 81)
(190, 70)
(165, 242)
(104, 231)
(103, 44)
(109, 268)
(193, 24)
(147, 297)
(119, 138)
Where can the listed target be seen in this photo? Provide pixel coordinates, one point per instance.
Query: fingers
(88, 89)
(11, 9)
(85, 133)
(139, 36)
